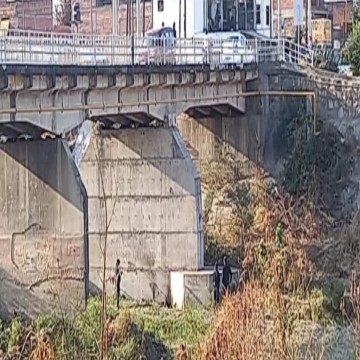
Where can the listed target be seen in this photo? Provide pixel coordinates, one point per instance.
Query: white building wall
(170, 14)
(263, 27)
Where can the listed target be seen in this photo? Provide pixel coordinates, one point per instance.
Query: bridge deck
(49, 69)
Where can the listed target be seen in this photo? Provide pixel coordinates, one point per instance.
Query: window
(103, 2)
(160, 5)
(267, 15)
(258, 15)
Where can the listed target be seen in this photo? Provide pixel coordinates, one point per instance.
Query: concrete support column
(41, 228)
(156, 222)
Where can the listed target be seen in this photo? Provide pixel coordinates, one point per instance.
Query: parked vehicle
(236, 49)
(158, 47)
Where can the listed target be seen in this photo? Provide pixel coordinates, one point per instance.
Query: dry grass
(259, 321)
(240, 329)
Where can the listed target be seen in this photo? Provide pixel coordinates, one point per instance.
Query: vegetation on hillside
(283, 234)
(352, 46)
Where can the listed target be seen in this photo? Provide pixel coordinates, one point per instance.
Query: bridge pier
(153, 216)
(41, 227)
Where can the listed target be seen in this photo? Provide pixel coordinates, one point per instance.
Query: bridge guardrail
(29, 47)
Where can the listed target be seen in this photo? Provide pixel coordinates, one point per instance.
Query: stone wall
(338, 97)
(41, 228)
(152, 195)
(337, 106)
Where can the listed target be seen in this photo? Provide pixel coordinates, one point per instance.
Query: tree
(351, 51)
(356, 13)
(63, 13)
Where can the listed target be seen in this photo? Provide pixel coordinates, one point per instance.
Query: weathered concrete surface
(241, 134)
(41, 228)
(338, 96)
(166, 94)
(153, 197)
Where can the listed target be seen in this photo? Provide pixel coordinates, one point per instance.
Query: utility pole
(309, 23)
(127, 17)
(91, 18)
(138, 19)
(115, 17)
(143, 18)
(279, 18)
(132, 27)
(180, 18)
(306, 21)
(345, 20)
(185, 19)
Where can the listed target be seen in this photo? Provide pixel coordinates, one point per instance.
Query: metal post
(91, 17)
(143, 19)
(180, 17)
(221, 14)
(246, 16)
(298, 35)
(345, 20)
(279, 18)
(138, 19)
(115, 17)
(309, 23)
(306, 21)
(185, 18)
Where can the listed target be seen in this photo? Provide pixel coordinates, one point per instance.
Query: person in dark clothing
(117, 282)
(216, 284)
(174, 30)
(226, 275)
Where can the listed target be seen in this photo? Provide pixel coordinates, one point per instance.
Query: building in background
(321, 29)
(342, 20)
(312, 9)
(44, 15)
(193, 17)
(264, 17)
(26, 14)
(102, 16)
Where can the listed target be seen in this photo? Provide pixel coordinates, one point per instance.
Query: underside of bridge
(214, 111)
(128, 120)
(141, 119)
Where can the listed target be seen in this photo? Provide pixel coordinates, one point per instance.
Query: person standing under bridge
(226, 275)
(118, 274)
(217, 279)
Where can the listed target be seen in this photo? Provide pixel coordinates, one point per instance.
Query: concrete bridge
(128, 177)
(60, 98)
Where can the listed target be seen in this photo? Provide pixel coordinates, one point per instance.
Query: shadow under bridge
(44, 221)
(159, 114)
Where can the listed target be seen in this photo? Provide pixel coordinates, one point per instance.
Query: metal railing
(28, 47)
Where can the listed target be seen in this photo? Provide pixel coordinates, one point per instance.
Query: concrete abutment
(41, 228)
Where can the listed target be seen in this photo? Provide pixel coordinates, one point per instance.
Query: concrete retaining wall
(41, 228)
(152, 195)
